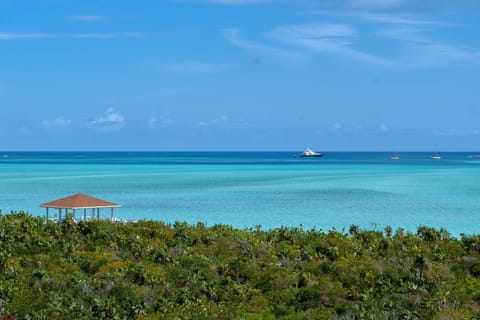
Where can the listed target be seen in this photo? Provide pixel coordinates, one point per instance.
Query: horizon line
(236, 151)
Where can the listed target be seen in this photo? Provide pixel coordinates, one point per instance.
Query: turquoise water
(250, 189)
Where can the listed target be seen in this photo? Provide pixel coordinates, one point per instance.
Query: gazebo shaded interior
(78, 202)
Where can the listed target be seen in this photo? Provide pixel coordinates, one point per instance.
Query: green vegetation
(150, 270)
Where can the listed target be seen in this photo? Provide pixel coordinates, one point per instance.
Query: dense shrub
(151, 270)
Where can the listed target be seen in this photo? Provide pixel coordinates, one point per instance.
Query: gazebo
(79, 201)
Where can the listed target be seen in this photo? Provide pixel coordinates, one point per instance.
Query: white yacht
(394, 156)
(310, 153)
(436, 156)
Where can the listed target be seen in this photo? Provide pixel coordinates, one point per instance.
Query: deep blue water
(245, 189)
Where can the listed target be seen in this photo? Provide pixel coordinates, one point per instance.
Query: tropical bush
(152, 270)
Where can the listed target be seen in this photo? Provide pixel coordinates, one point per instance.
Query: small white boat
(310, 153)
(394, 156)
(436, 156)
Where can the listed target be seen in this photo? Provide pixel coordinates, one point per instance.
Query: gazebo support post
(69, 206)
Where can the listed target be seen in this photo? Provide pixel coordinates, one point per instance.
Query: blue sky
(230, 75)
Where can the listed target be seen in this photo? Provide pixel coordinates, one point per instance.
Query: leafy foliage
(151, 270)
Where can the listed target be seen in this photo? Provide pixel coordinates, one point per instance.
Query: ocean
(249, 189)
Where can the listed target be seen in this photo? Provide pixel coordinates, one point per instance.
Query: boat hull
(312, 156)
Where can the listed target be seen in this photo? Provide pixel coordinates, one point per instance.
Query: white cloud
(383, 128)
(95, 35)
(411, 48)
(417, 50)
(336, 127)
(165, 121)
(282, 55)
(87, 17)
(398, 19)
(315, 37)
(403, 33)
(56, 124)
(110, 120)
(152, 121)
(413, 4)
(221, 120)
(336, 39)
(340, 128)
(432, 54)
(392, 39)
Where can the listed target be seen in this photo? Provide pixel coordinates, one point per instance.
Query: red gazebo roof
(79, 201)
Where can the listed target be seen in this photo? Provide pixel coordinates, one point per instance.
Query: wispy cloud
(339, 128)
(154, 121)
(403, 33)
(16, 36)
(336, 127)
(194, 67)
(110, 120)
(383, 128)
(418, 50)
(432, 54)
(336, 39)
(458, 132)
(377, 3)
(404, 44)
(264, 51)
(397, 19)
(221, 120)
(412, 49)
(87, 18)
(94, 35)
(427, 5)
(59, 123)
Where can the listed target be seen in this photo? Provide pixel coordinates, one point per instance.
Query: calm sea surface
(249, 189)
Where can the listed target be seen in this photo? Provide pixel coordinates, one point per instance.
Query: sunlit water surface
(249, 189)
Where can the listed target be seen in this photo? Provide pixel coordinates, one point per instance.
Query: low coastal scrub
(152, 270)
